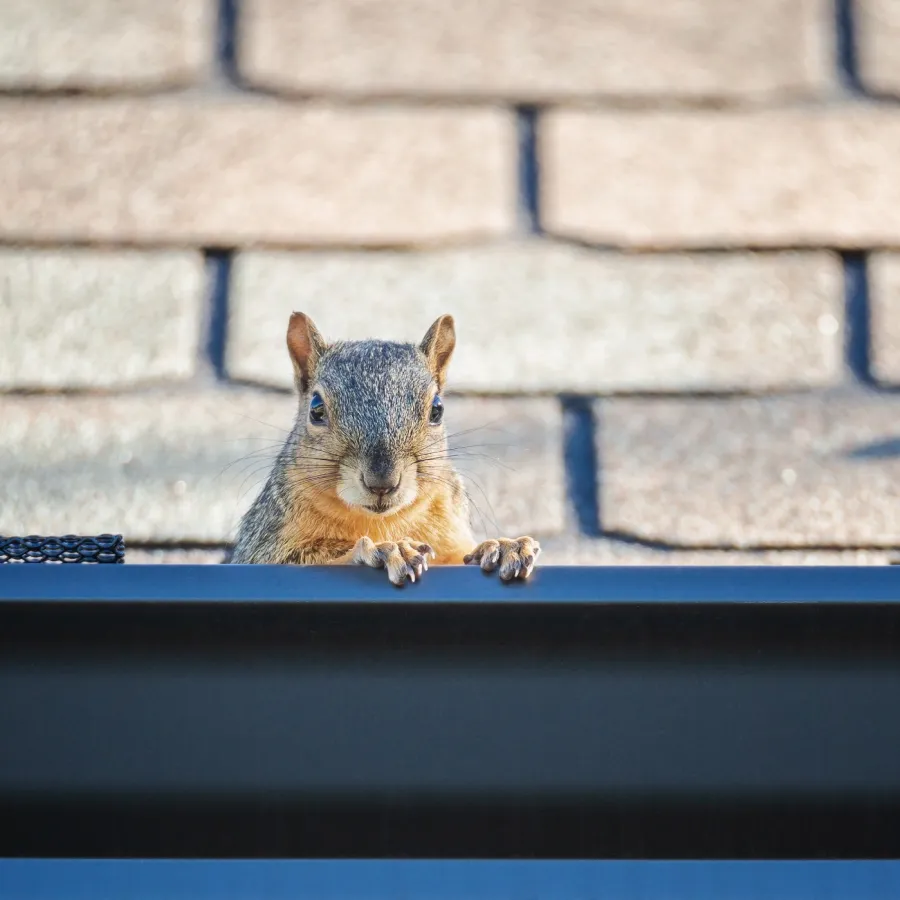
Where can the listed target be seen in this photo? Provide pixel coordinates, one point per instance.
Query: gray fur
(377, 392)
(257, 534)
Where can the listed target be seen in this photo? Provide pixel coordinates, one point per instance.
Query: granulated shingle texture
(202, 557)
(105, 44)
(526, 311)
(776, 472)
(509, 453)
(533, 50)
(165, 467)
(579, 551)
(226, 172)
(678, 206)
(153, 467)
(884, 299)
(99, 318)
(790, 177)
(878, 37)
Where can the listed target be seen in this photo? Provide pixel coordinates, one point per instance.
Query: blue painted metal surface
(446, 880)
(549, 584)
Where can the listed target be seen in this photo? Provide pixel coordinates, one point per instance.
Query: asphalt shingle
(540, 316)
(110, 319)
(789, 472)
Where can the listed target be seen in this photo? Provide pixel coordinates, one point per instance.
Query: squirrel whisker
(268, 455)
(452, 455)
(317, 458)
(477, 484)
(279, 428)
(252, 470)
(365, 475)
(242, 490)
(469, 498)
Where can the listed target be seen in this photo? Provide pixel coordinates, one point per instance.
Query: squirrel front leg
(404, 560)
(514, 558)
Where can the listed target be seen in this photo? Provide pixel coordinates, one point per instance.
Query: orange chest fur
(330, 523)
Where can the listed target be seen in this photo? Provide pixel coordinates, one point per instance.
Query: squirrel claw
(514, 558)
(405, 560)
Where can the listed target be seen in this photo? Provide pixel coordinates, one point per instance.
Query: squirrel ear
(306, 345)
(437, 345)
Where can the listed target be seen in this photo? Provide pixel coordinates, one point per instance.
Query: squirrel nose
(383, 487)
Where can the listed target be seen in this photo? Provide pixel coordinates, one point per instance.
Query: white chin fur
(351, 491)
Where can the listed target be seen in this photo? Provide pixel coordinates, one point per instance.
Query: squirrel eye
(317, 409)
(437, 411)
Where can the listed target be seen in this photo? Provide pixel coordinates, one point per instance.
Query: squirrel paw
(405, 559)
(515, 559)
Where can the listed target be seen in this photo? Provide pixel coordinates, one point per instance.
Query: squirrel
(365, 475)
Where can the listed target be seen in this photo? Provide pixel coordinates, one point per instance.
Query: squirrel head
(370, 422)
